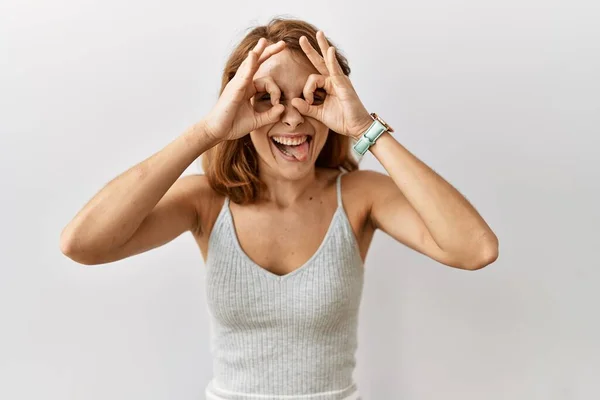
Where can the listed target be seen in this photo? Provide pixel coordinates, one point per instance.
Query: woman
(283, 232)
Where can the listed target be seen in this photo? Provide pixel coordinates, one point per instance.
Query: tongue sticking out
(300, 152)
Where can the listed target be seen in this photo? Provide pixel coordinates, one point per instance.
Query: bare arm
(149, 205)
(419, 208)
(150, 198)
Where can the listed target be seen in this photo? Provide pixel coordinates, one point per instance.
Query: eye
(319, 95)
(265, 97)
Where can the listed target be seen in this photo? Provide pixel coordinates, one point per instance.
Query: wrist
(362, 128)
(385, 136)
(205, 129)
(199, 136)
(371, 133)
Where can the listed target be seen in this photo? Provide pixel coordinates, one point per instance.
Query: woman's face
(290, 157)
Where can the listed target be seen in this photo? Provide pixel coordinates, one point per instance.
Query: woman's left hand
(342, 111)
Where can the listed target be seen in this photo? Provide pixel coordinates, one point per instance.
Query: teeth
(290, 141)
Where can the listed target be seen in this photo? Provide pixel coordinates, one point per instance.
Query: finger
(245, 71)
(313, 55)
(257, 56)
(267, 84)
(306, 109)
(270, 50)
(322, 40)
(248, 67)
(313, 82)
(333, 64)
(324, 45)
(270, 116)
(260, 45)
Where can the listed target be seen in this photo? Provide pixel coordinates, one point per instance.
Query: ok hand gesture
(342, 110)
(233, 116)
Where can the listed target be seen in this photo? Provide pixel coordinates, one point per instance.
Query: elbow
(487, 254)
(68, 247)
(66, 244)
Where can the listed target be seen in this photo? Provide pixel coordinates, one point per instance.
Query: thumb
(271, 116)
(306, 109)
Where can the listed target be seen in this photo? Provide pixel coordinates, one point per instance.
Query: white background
(502, 98)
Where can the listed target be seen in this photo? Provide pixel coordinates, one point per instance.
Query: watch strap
(370, 136)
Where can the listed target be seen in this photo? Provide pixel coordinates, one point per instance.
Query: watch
(377, 128)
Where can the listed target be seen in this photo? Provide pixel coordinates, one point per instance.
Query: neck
(283, 191)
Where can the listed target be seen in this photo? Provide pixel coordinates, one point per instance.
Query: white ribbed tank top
(289, 337)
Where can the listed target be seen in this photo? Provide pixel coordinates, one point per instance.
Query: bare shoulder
(364, 175)
(368, 183)
(368, 188)
(359, 188)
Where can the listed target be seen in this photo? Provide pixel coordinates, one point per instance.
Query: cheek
(319, 143)
(260, 139)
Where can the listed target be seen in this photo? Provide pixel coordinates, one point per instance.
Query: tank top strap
(224, 211)
(339, 188)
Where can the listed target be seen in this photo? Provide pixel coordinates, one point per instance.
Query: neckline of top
(310, 260)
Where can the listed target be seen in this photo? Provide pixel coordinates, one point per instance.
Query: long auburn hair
(231, 166)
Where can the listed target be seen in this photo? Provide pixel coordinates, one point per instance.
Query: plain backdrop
(501, 98)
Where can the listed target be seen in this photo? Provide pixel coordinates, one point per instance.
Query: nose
(291, 116)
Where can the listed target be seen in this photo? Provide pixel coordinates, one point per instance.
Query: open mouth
(296, 149)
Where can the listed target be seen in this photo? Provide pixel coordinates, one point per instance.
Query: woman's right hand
(234, 116)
